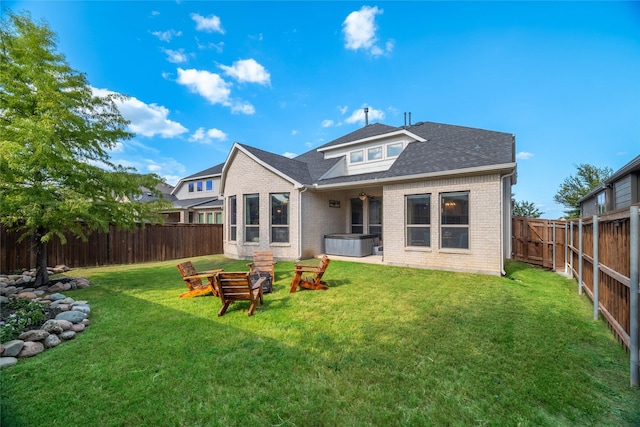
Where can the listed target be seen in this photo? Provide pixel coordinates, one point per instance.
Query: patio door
(375, 216)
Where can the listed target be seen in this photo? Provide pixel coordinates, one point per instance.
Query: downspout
(300, 221)
(502, 257)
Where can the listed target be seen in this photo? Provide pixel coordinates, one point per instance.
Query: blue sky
(286, 77)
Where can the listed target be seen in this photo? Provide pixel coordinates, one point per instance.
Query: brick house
(426, 195)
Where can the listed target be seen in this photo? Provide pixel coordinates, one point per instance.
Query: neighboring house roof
(164, 189)
(632, 166)
(200, 202)
(438, 149)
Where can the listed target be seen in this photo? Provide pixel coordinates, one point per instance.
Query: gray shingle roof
(215, 170)
(447, 148)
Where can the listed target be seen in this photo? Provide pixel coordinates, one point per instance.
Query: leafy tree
(55, 172)
(526, 209)
(579, 185)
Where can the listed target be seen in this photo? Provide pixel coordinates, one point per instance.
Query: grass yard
(385, 346)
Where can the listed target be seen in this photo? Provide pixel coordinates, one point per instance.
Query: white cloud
(210, 25)
(289, 154)
(176, 56)
(358, 116)
(172, 168)
(117, 148)
(214, 88)
(248, 70)
(294, 132)
(206, 137)
(166, 36)
(209, 85)
(359, 30)
(343, 109)
(524, 155)
(327, 123)
(146, 119)
(171, 179)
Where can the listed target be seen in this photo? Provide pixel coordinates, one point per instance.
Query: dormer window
(394, 150)
(191, 187)
(374, 153)
(199, 185)
(356, 156)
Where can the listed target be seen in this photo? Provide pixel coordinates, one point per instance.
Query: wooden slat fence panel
(144, 244)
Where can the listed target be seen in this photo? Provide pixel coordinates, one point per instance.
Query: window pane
(394, 150)
(418, 236)
(455, 208)
(191, 187)
(209, 185)
(232, 218)
(356, 156)
(201, 218)
(252, 234)
(209, 218)
(252, 209)
(280, 234)
(280, 209)
(374, 153)
(455, 237)
(218, 218)
(419, 209)
(199, 185)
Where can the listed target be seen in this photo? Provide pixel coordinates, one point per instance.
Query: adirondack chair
(263, 263)
(193, 280)
(310, 277)
(237, 286)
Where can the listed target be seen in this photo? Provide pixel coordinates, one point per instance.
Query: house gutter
(502, 219)
(396, 179)
(302, 190)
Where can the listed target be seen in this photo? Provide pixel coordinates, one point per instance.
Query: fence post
(572, 248)
(596, 268)
(566, 248)
(553, 252)
(580, 256)
(633, 302)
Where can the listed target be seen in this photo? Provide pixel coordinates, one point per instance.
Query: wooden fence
(601, 253)
(144, 244)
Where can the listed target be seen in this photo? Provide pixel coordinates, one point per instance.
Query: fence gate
(539, 242)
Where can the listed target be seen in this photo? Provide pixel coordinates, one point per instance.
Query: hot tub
(356, 245)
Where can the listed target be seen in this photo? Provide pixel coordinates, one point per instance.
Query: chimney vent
(409, 118)
(366, 116)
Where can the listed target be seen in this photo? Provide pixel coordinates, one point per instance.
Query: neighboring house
(432, 195)
(619, 191)
(197, 198)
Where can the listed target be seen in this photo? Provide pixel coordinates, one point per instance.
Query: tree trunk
(42, 273)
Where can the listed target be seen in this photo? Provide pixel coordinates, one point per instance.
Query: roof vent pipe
(366, 116)
(405, 119)
(409, 118)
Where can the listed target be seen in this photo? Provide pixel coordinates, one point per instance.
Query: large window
(280, 218)
(418, 220)
(232, 218)
(455, 220)
(251, 218)
(375, 216)
(357, 216)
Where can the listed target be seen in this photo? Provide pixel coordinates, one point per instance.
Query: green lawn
(384, 346)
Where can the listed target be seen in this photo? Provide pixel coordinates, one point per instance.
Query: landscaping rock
(12, 348)
(67, 335)
(77, 327)
(83, 308)
(53, 326)
(52, 341)
(65, 324)
(31, 348)
(56, 297)
(6, 362)
(71, 316)
(34, 335)
(29, 295)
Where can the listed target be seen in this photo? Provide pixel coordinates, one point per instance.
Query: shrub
(22, 315)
